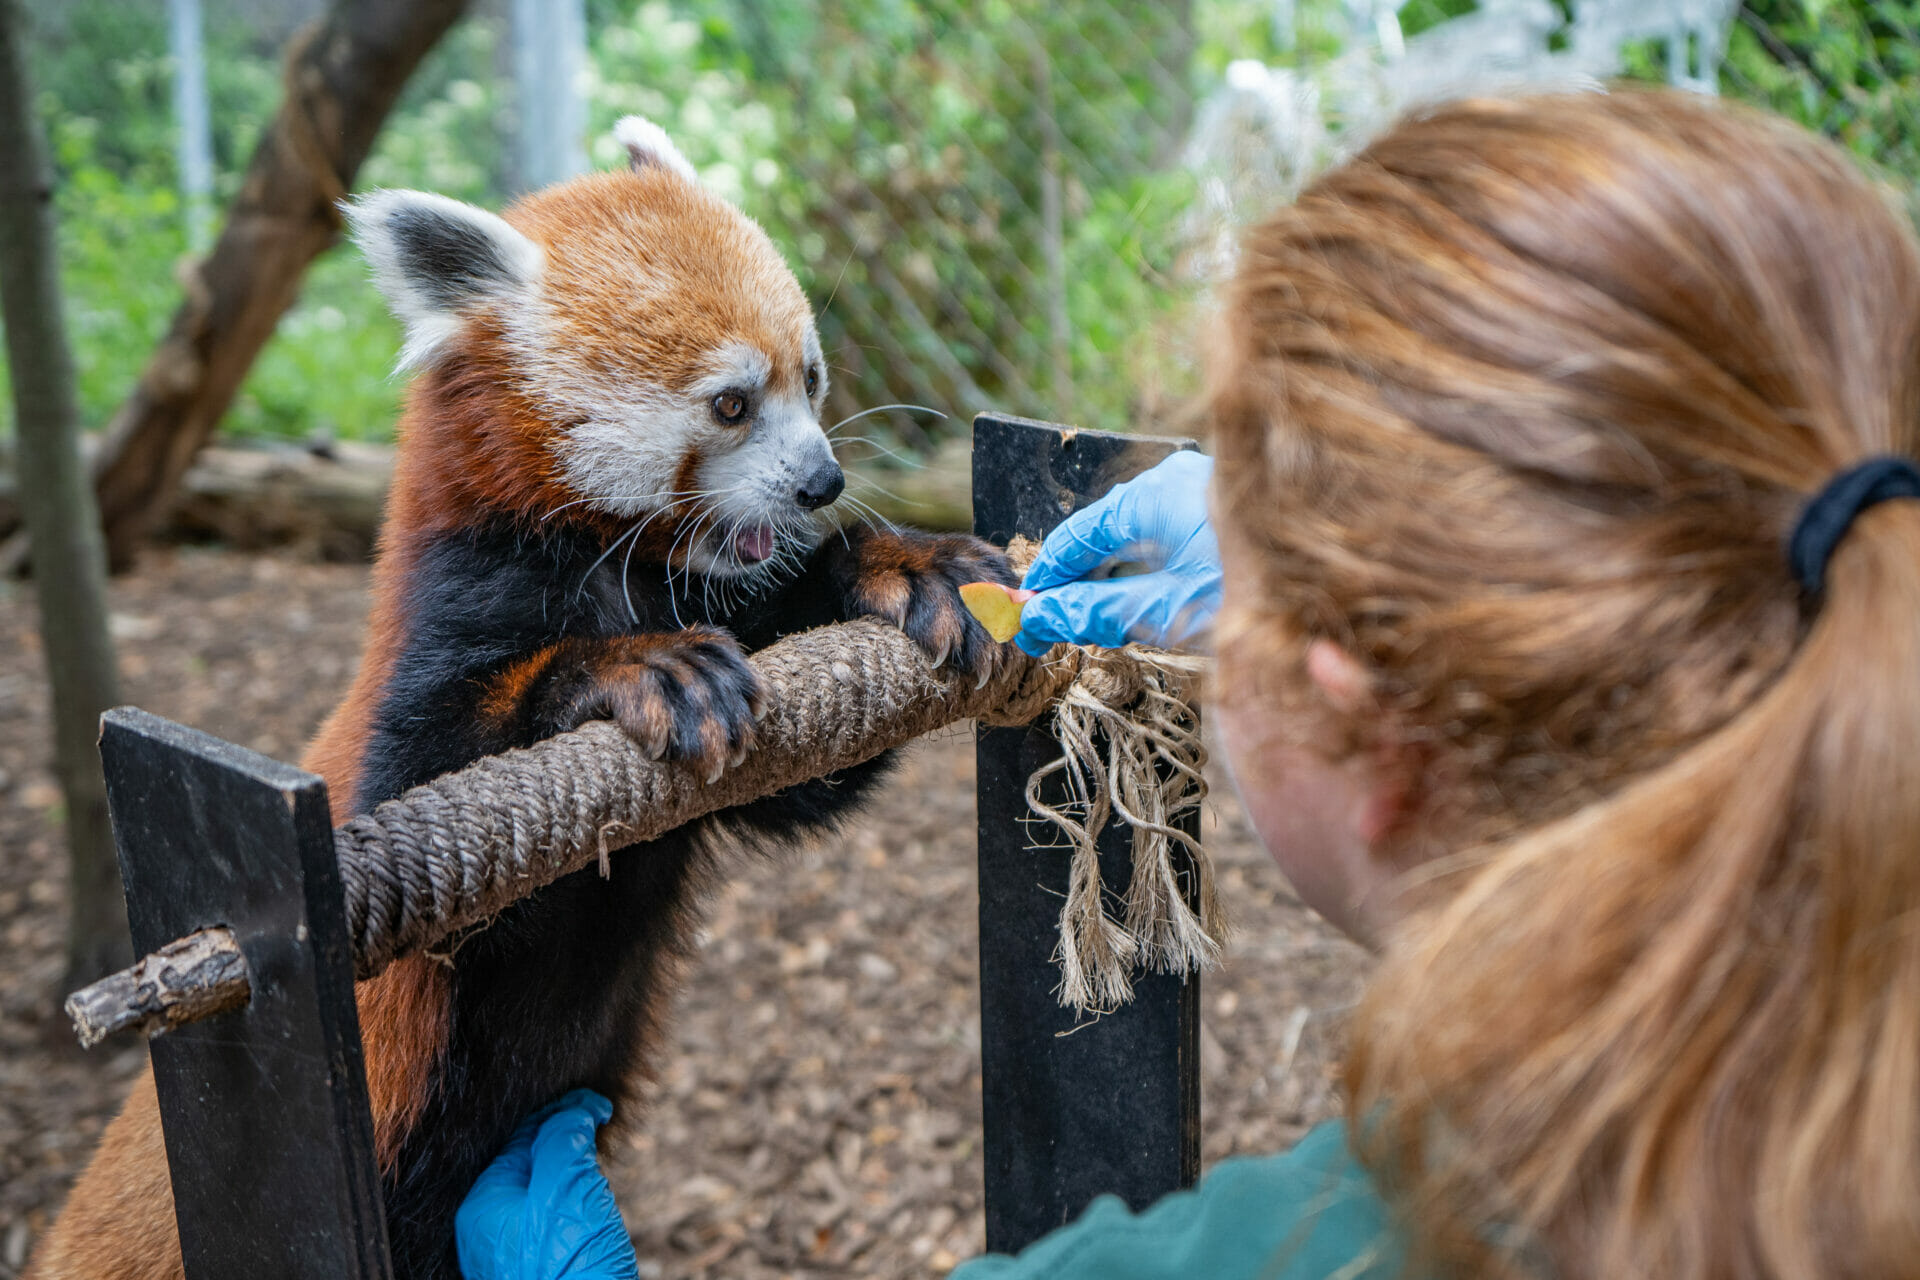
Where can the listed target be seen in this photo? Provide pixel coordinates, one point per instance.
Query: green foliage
(906, 154)
(118, 240)
(451, 128)
(1419, 15)
(896, 150)
(106, 61)
(106, 93)
(325, 373)
(903, 152)
(1849, 70)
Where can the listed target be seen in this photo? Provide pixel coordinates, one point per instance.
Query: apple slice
(996, 607)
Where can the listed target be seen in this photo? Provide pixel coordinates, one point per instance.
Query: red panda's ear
(438, 260)
(648, 146)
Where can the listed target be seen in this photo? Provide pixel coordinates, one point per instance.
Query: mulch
(818, 1112)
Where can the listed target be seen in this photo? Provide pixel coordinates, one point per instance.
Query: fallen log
(330, 499)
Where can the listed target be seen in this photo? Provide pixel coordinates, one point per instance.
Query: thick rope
(450, 854)
(455, 851)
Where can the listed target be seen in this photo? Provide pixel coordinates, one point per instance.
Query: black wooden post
(1115, 1106)
(269, 1135)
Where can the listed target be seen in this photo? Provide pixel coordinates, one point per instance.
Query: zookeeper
(1566, 600)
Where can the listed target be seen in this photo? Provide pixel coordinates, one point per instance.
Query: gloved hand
(543, 1210)
(1158, 518)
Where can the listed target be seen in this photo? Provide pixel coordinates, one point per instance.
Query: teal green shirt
(1310, 1214)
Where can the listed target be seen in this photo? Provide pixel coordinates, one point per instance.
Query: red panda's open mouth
(753, 544)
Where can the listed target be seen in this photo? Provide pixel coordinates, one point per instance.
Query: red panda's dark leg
(565, 989)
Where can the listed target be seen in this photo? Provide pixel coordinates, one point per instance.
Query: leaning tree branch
(342, 76)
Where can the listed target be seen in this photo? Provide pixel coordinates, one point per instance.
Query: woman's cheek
(1308, 812)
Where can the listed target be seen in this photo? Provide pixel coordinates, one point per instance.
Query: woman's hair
(1520, 406)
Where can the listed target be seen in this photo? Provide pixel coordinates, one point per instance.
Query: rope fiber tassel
(1130, 748)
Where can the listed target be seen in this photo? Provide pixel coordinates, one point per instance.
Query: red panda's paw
(682, 695)
(913, 580)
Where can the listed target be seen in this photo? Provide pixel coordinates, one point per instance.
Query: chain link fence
(986, 199)
(1019, 204)
(1007, 204)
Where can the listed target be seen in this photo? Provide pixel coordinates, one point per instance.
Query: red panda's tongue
(753, 545)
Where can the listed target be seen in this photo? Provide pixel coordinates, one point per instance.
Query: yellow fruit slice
(996, 607)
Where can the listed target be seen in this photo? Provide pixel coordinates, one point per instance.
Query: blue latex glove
(1159, 519)
(543, 1210)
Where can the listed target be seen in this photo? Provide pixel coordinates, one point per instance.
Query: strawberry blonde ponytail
(1523, 406)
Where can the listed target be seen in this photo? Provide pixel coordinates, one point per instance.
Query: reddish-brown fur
(119, 1219)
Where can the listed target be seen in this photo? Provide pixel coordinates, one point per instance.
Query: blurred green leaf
(899, 151)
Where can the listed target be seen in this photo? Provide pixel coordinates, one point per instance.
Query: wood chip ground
(818, 1113)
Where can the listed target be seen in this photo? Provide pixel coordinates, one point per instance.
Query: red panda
(610, 487)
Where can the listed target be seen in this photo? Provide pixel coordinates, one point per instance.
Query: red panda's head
(663, 355)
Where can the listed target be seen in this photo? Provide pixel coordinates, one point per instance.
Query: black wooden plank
(269, 1136)
(1115, 1106)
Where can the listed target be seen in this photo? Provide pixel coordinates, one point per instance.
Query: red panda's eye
(729, 406)
(813, 380)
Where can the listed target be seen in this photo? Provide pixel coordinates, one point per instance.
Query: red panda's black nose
(822, 487)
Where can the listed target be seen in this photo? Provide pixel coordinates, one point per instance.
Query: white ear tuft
(436, 258)
(648, 145)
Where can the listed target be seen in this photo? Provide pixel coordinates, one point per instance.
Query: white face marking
(772, 455)
(734, 366)
(631, 441)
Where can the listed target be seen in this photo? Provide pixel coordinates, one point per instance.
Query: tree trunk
(342, 76)
(57, 504)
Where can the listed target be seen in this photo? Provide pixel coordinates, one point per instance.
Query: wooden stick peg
(192, 978)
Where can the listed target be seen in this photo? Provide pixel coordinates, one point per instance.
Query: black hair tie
(1826, 519)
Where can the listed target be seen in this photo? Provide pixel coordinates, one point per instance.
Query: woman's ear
(1394, 764)
(1340, 678)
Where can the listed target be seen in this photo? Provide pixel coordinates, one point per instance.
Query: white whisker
(912, 463)
(626, 564)
(602, 559)
(882, 408)
(563, 506)
(875, 485)
(866, 515)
